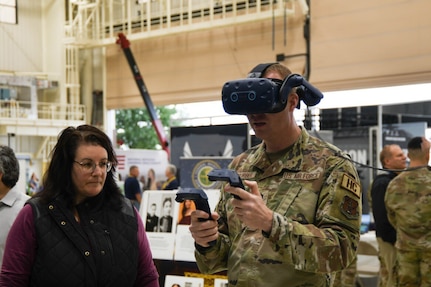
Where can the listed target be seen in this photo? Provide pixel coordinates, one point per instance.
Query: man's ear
(292, 101)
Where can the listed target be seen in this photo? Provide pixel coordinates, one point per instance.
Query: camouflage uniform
(408, 201)
(316, 198)
(347, 277)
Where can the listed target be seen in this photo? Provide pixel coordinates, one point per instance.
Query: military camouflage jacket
(315, 194)
(407, 200)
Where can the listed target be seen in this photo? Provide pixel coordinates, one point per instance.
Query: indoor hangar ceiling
(369, 44)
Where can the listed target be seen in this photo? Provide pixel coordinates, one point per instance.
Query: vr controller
(262, 95)
(228, 175)
(198, 196)
(201, 201)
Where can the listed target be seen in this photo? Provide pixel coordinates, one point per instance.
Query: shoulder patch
(350, 207)
(351, 185)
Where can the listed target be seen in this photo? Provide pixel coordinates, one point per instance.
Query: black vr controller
(262, 95)
(201, 201)
(198, 196)
(228, 175)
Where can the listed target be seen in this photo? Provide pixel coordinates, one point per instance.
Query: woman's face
(187, 203)
(167, 207)
(89, 182)
(151, 174)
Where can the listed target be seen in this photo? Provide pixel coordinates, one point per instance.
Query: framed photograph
(159, 212)
(182, 281)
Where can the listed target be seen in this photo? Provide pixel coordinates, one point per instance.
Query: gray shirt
(10, 206)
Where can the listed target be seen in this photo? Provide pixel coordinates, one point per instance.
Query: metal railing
(23, 110)
(98, 22)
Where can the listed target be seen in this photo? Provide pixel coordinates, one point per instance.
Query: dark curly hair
(57, 180)
(9, 166)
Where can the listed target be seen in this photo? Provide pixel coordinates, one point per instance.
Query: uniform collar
(291, 160)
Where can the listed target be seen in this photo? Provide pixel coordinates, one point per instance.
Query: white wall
(21, 45)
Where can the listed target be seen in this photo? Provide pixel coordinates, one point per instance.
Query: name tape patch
(301, 175)
(247, 174)
(351, 185)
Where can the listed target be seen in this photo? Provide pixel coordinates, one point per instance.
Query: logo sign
(200, 174)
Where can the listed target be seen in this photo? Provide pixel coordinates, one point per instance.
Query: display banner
(400, 134)
(144, 159)
(194, 171)
(208, 141)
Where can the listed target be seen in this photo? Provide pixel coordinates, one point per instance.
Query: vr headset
(256, 95)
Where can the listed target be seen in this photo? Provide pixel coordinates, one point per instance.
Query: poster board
(184, 242)
(183, 281)
(159, 212)
(174, 242)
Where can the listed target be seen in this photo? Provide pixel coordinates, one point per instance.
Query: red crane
(157, 124)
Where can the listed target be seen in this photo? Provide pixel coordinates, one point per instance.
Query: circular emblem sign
(200, 174)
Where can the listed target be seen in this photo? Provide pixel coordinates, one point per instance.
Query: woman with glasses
(80, 230)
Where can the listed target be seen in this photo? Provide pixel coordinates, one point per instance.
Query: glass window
(8, 12)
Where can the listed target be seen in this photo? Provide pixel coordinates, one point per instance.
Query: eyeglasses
(89, 165)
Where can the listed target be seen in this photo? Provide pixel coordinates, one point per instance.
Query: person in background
(393, 160)
(408, 204)
(33, 184)
(142, 182)
(171, 182)
(151, 180)
(79, 230)
(298, 221)
(11, 199)
(132, 188)
(159, 184)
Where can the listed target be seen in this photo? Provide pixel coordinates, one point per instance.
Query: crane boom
(157, 124)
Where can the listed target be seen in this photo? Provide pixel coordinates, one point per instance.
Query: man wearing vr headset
(297, 222)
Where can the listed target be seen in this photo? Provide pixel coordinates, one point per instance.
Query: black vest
(101, 250)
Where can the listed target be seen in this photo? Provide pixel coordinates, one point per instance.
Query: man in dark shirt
(132, 188)
(393, 160)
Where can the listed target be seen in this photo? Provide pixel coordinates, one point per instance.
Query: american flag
(121, 162)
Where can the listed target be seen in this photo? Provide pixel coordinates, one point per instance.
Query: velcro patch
(301, 175)
(349, 207)
(247, 174)
(351, 185)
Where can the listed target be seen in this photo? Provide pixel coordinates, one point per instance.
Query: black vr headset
(256, 95)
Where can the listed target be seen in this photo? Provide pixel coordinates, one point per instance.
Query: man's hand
(206, 231)
(251, 209)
